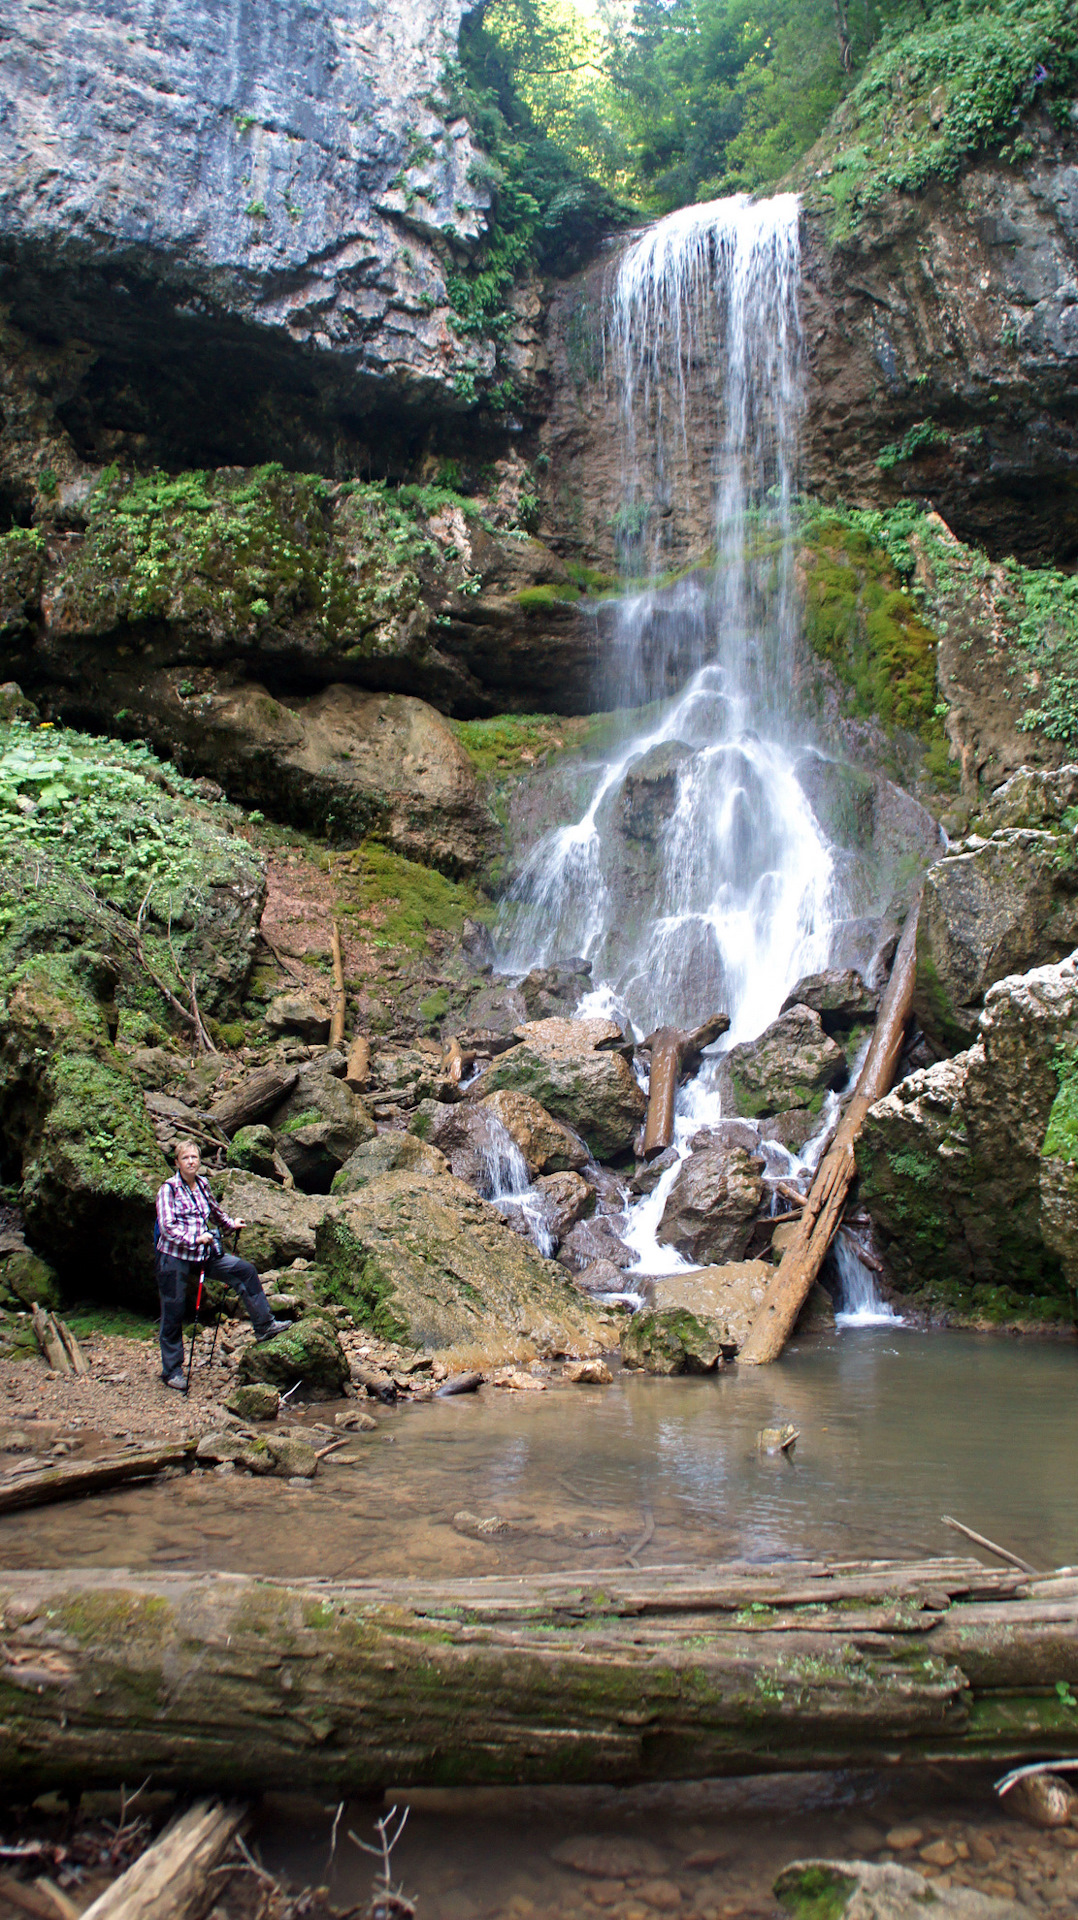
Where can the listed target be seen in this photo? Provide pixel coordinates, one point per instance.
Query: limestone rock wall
(228, 197)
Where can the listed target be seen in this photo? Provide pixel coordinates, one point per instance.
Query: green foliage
(510, 740)
(816, 1892)
(1061, 1133)
(915, 440)
(1047, 637)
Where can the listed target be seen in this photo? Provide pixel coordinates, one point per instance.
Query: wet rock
(553, 992)
(649, 790)
(429, 1264)
(965, 1166)
(547, 1145)
(286, 1455)
(602, 1276)
(792, 1130)
(298, 1013)
(387, 1153)
(310, 1351)
(712, 1205)
(860, 1890)
(777, 1439)
(650, 1172)
(588, 1373)
(605, 1856)
(281, 1221)
(1032, 797)
(838, 995)
(319, 1126)
(671, 1340)
(354, 1420)
(466, 1136)
(993, 908)
(792, 1064)
(1044, 1799)
(726, 1297)
(253, 1150)
(562, 1200)
(259, 1401)
(593, 1241)
(568, 1067)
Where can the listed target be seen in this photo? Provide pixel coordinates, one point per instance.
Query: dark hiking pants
(172, 1280)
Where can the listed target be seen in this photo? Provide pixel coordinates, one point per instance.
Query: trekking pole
(194, 1329)
(221, 1308)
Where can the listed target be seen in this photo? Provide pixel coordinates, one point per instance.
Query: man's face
(188, 1160)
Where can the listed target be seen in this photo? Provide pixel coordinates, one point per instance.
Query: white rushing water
(723, 894)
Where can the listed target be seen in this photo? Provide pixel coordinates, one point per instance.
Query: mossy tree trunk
(222, 1681)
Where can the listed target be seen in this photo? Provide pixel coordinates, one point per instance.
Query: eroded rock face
(671, 1340)
(954, 1161)
(320, 1125)
(547, 1146)
(727, 1298)
(429, 1264)
(992, 908)
(281, 1222)
(712, 1204)
(278, 189)
(388, 1153)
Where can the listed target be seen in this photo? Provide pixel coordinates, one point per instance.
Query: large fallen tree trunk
(76, 1478)
(823, 1210)
(672, 1052)
(223, 1681)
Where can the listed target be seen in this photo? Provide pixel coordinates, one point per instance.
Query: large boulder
(726, 1298)
(572, 1068)
(791, 1064)
(671, 1340)
(309, 1351)
(712, 1205)
(956, 1161)
(320, 1125)
(838, 995)
(866, 1890)
(387, 1153)
(994, 907)
(427, 1263)
(281, 1221)
(547, 1145)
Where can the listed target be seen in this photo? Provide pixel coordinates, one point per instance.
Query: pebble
(939, 1853)
(607, 1893)
(903, 1839)
(661, 1895)
(982, 1847)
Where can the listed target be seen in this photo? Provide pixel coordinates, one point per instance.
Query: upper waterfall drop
(697, 878)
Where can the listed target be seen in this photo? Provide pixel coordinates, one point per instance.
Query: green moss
(435, 1006)
(861, 618)
(354, 1280)
(541, 599)
(113, 1322)
(1061, 1133)
(308, 1118)
(412, 900)
(815, 1893)
(499, 745)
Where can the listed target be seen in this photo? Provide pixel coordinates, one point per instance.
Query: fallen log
(225, 1682)
(255, 1096)
(358, 1070)
(672, 1051)
(78, 1477)
(49, 1341)
(823, 1210)
(336, 1024)
(169, 1881)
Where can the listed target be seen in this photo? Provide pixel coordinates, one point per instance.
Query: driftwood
(672, 1052)
(57, 1342)
(340, 1005)
(823, 1210)
(357, 1072)
(214, 1681)
(255, 1096)
(169, 1880)
(78, 1477)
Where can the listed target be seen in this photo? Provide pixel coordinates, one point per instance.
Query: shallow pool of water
(896, 1427)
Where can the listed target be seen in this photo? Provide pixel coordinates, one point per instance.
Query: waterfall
(859, 1304)
(697, 878)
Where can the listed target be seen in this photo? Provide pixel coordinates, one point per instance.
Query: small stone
(939, 1853)
(777, 1439)
(607, 1893)
(355, 1420)
(259, 1401)
(704, 1858)
(588, 1373)
(982, 1848)
(518, 1382)
(1043, 1799)
(661, 1895)
(903, 1839)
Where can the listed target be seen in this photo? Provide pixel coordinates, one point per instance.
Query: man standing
(186, 1241)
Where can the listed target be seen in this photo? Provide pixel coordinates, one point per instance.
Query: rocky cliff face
(244, 215)
(941, 349)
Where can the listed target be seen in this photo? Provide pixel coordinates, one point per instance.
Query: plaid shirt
(183, 1213)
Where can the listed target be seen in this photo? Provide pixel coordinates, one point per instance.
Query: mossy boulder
(309, 1351)
(672, 1340)
(387, 1153)
(27, 1281)
(993, 907)
(281, 1222)
(791, 1064)
(572, 1068)
(960, 1165)
(253, 1150)
(319, 1126)
(286, 1455)
(256, 1401)
(427, 1263)
(725, 1298)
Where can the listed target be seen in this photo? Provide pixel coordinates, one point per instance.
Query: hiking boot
(176, 1381)
(271, 1329)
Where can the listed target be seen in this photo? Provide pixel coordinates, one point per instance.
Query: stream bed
(897, 1427)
